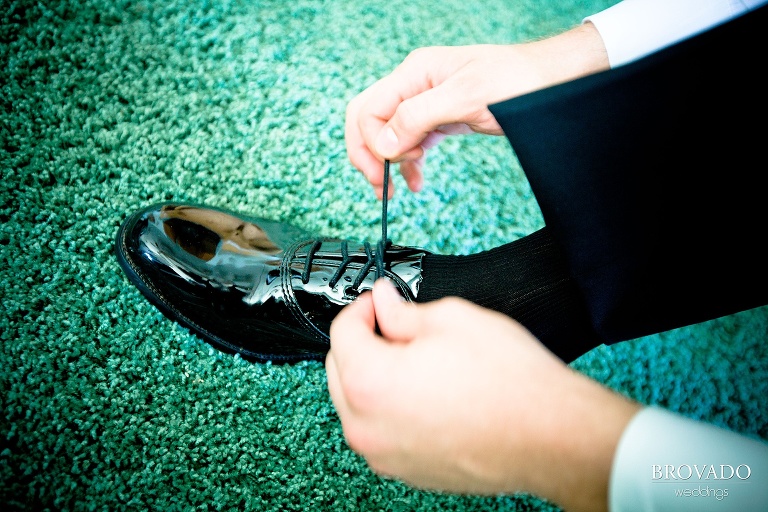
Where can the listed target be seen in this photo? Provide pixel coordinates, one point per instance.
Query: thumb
(398, 320)
(353, 340)
(414, 119)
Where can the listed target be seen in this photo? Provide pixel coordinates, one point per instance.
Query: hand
(462, 399)
(438, 91)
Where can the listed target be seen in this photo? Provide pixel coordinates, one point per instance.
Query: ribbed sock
(527, 280)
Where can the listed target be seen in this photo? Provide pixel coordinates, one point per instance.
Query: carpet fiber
(110, 106)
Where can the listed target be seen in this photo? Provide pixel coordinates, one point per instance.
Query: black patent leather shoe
(259, 288)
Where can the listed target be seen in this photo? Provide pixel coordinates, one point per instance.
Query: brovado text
(669, 472)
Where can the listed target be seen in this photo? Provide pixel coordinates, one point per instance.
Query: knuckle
(408, 115)
(452, 307)
(354, 105)
(420, 54)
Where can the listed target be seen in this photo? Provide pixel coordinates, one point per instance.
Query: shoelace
(374, 258)
(384, 242)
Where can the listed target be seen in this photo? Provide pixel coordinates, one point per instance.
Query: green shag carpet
(110, 106)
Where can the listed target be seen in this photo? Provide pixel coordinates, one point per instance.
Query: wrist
(573, 54)
(579, 441)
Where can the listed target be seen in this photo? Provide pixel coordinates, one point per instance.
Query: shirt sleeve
(632, 29)
(665, 461)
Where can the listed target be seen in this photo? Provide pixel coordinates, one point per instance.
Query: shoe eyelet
(351, 293)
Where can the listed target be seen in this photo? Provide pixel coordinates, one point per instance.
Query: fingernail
(386, 142)
(389, 289)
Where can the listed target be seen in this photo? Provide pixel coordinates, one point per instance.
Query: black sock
(527, 280)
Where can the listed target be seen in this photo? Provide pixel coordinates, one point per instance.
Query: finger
(361, 156)
(373, 170)
(356, 319)
(335, 390)
(358, 152)
(411, 170)
(432, 139)
(354, 343)
(398, 321)
(382, 101)
(413, 120)
(372, 165)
